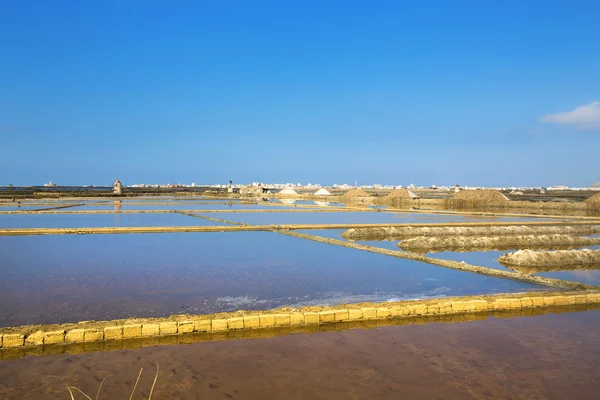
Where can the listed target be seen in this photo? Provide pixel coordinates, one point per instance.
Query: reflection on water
(543, 357)
(337, 234)
(480, 258)
(182, 206)
(179, 199)
(50, 279)
(590, 277)
(20, 208)
(587, 274)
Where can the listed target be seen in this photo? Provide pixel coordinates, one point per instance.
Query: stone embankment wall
(86, 332)
(426, 244)
(245, 227)
(524, 205)
(461, 204)
(197, 337)
(484, 230)
(558, 258)
(300, 208)
(461, 266)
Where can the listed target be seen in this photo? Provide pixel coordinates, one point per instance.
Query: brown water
(544, 357)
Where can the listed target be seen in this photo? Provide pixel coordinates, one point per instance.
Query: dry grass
(73, 389)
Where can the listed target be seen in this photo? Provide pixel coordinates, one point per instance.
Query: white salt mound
(322, 192)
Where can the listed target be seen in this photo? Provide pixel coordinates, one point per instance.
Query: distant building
(50, 184)
(252, 190)
(117, 188)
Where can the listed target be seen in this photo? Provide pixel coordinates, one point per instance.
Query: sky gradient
(393, 92)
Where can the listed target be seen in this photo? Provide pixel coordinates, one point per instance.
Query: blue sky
(393, 92)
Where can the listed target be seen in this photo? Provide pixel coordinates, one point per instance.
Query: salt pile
(289, 192)
(411, 231)
(356, 193)
(402, 194)
(559, 258)
(322, 192)
(595, 199)
(424, 244)
(490, 195)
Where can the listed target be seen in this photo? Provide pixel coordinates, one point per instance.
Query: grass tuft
(70, 389)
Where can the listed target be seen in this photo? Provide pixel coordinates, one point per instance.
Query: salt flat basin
(99, 220)
(479, 258)
(348, 217)
(337, 234)
(68, 278)
(181, 206)
(176, 199)
(589, 277)
(489, 259)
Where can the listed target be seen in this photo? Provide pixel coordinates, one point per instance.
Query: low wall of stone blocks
(92, 331)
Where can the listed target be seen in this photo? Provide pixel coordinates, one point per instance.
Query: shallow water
(349, 217)
(308, 202)
(154, 199)
(99, 220)
(554, 356)
(23, 208)
(328, 233)
(480, 258)
(337, 234)
(52, 279)
(589, 277)
(489, 259)
(183, 206)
